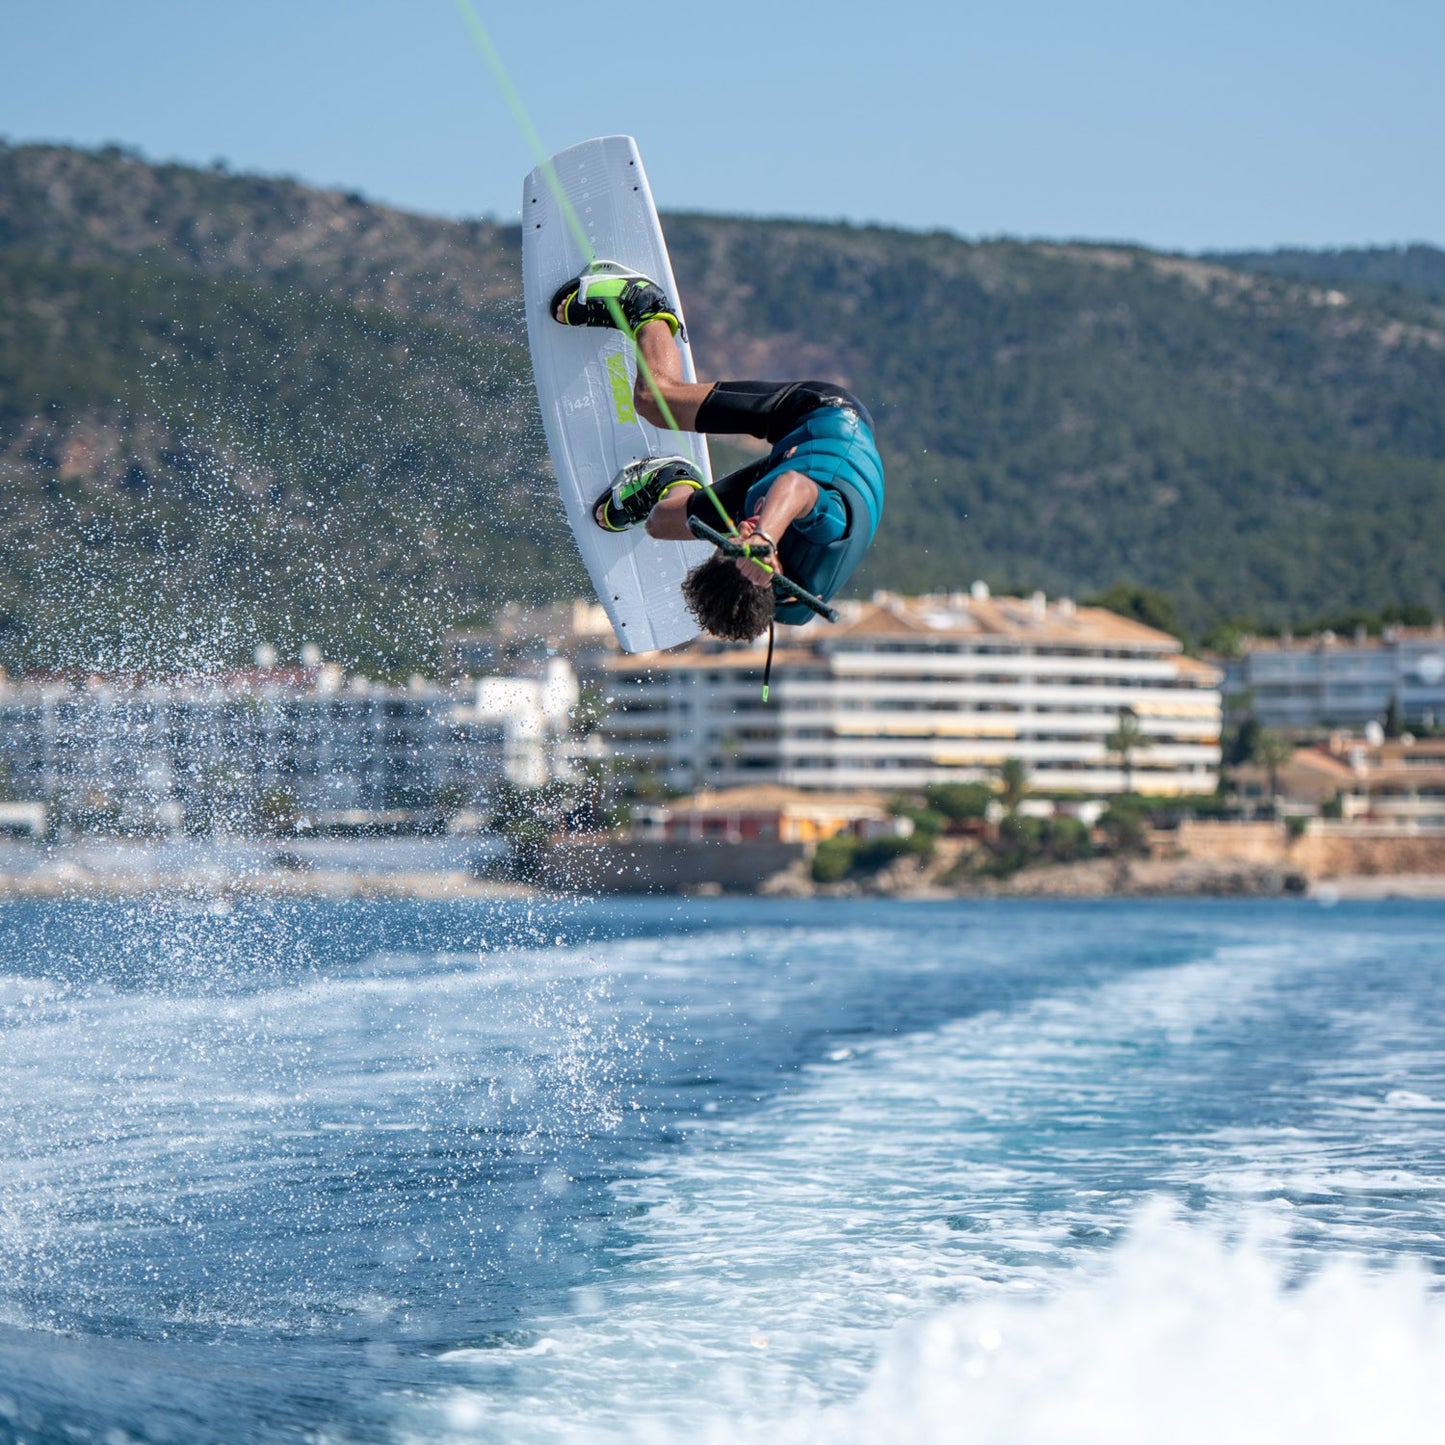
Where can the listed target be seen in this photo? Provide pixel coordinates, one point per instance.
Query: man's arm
(793, 495)
(667, 521)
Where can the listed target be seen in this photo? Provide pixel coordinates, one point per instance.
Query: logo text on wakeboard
(621, 385)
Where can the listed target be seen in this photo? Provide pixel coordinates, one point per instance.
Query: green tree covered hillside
(234, 409)
(1070, 416)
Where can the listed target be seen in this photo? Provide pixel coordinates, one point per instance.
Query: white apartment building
(253, 748)
(906, 692)
(1331, 681)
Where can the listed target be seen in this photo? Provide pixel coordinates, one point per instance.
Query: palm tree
(1013, 783)
(1272, 751)
(1127, 739)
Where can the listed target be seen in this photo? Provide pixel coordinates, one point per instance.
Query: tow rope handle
(732, 547)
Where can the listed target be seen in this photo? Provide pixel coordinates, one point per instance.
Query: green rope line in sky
(513, 100)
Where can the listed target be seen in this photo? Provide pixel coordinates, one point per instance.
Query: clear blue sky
(1232, 124)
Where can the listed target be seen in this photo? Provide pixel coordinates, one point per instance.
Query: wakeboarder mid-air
(809, 508)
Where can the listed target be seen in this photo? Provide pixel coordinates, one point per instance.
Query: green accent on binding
(473, 23)
(668, 318)
(630, 489)
(606, 286)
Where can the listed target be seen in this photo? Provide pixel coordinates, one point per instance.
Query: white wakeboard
(585, 376)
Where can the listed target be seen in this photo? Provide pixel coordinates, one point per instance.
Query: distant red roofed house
(771, 813)
(1398, 782)
(1311, 777)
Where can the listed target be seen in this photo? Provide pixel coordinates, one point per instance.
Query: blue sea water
(722, 1171)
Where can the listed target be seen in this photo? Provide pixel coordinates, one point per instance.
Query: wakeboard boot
(639, 487)
(607, 291)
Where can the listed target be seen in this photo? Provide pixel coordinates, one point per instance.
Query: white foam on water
(906, 1219)
(770, 1261)
(1180, 1334)
(1182, 1337)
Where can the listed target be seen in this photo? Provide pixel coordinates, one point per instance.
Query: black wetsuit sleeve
(732, 492)
(768, 409)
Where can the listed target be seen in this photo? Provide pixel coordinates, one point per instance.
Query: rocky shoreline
(1118, 878)
(1095, 878)
(595, 868)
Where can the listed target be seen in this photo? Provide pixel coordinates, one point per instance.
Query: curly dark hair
(725, 602)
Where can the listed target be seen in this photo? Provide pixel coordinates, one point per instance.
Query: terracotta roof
(876, 619)
(774, 796)
(943, 616)
(1022, 618)
(1319, 761)
(1420, 748)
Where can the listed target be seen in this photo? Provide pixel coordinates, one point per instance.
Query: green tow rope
(490, 54)
(730, 544)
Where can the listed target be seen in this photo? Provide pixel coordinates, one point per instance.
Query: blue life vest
(834, 447)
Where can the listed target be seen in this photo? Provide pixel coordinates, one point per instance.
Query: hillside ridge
(237, 409)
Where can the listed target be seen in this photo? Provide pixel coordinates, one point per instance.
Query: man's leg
(596, 297)
(661, 375)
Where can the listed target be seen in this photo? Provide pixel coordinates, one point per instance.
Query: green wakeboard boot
(607, 289)
(639, 487)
